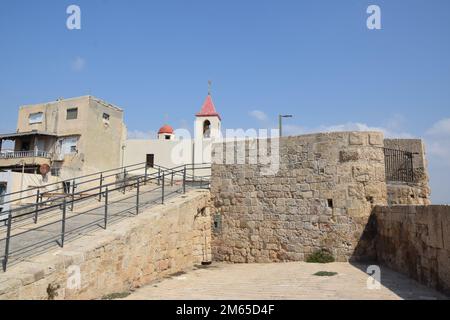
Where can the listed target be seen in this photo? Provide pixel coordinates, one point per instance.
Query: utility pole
(280, 122)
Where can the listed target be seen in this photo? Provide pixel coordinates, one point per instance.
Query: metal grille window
(399, 165)
(72, 114)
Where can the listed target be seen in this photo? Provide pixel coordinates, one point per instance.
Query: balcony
(9, 158)
(32, 144)
(25, 154)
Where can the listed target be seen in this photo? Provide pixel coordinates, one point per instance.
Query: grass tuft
(114, 296)
(325, 274)
(320, 256)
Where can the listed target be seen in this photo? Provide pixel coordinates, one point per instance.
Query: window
(72, 114)
(55, 172)
(207, 129)
(66, 187)
(36, 117)
(68, 145)
(167, 137)
(217, 223)
(106, 117)
(2, 192)
(330, 203)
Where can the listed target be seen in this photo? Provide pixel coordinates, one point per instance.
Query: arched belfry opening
(207, 129)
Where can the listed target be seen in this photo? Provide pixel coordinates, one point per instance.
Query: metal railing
(69, 186)
(25, 154)
(399, 166)
(147, 188)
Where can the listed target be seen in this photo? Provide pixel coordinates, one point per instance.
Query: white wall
(6, 177)
(167, 153)
(15, 184)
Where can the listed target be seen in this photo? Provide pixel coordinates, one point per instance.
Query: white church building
(172, 148)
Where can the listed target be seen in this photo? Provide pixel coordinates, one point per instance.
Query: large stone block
(350, 155)
(357, 138)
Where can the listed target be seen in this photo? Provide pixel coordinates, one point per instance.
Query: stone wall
(321, 197)
(415, 240)
(419, 192)
(159, 242)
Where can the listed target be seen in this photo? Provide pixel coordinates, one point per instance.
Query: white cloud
(440, 128)
(258, 115)
(438, 141)
(78, 64)
(141, 135)
(439, 148)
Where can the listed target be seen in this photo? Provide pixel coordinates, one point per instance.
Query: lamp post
(280, 121)
(22, 162)
(123, 154)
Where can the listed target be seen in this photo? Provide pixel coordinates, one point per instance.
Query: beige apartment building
(74, 137)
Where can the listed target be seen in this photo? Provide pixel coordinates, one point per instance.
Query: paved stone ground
(283, 281)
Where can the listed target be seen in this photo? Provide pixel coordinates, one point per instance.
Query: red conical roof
(166, 129)
(208, 109)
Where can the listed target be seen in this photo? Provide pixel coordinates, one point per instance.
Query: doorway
(150, 160)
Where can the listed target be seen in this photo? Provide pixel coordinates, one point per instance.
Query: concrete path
(285, 281)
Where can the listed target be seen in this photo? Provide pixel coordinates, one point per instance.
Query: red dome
(166, 129)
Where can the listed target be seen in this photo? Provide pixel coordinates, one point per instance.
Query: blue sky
(313, 59)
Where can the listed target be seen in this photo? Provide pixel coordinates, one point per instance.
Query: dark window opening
(217, 223)
(106, 116)
(167, 137)
(72, 114)
(207, 129)
(330, 203)
(25, 146)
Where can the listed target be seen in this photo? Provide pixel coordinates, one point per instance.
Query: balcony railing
(25, 154)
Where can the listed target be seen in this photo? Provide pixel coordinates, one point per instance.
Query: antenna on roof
(209, 87)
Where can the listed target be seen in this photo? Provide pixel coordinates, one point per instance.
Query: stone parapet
(161, 241)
